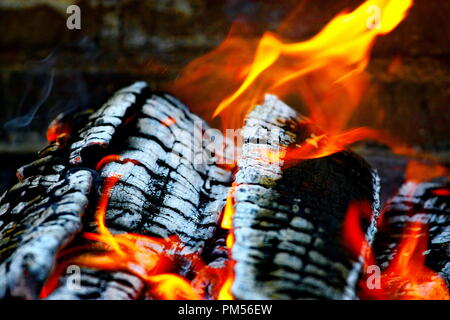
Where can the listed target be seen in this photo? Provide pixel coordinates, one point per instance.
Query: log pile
(287, 223)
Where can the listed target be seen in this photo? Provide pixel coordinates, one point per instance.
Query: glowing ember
(58, 131)
(168, 121)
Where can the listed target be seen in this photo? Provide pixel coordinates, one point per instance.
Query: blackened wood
(170, 185)
(38, 217)
(427, 203)
(288, 221)
(102, 125)
(174, 187)
(99, 285)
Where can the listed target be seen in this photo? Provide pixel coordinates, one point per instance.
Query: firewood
(146, 137)
(36, 221)
(426, 203)
(288, 220)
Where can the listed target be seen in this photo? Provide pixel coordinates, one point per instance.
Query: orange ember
(168, 121)
(58, 131)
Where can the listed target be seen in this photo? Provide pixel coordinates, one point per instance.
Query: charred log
(287, 222)
(169, 185)
(426, 203)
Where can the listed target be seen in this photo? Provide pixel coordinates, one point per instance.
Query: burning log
(36, 221)
(288, 220)
(412, 245)
(166, 183)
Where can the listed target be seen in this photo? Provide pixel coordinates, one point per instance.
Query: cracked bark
(287, 221)
(163, 190)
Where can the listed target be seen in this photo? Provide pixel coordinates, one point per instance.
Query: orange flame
(406, 277)
(327, 70)
(419, 171)
(227, 223)
(334, 58)
(146, 257)
(225, 292)
(227, 218)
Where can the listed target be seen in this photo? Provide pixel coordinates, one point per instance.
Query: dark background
(46, 69)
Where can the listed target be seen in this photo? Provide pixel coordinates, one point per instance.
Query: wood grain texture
(169, 185)
(288, 221)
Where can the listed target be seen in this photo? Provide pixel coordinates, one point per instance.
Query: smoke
(50, 89)
(25, 120)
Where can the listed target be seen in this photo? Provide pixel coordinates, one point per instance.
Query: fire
(228, 211)
(327, 71)
(227, 223)
(146, 257)
(406, 277)
(331, 63)
(419, 171)
(224, 293)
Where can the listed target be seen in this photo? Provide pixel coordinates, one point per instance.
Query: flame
(334, 58)
(225, 292)
(227, 223)
(146, 257)
(227, 218)
(326, 71)
(406, 277)
(419, 171)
